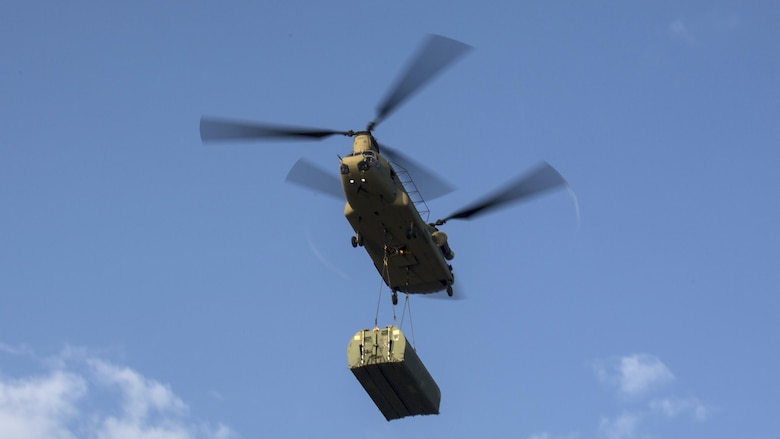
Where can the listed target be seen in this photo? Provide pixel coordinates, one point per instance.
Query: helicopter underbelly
(398, 241)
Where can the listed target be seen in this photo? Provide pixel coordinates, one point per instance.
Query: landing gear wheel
(395, 297)
(449, 290)
(357, 240)
(354, 241)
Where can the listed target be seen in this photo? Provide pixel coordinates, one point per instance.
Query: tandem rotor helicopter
(383, 205)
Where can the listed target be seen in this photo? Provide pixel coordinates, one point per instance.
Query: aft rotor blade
(428, 183)
(543, 178)
(436, 53)
(308, 175)
(212, 129)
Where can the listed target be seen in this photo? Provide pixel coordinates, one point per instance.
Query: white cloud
(635, 375)
(140, 395)
(622, 427)
(673, 407)
(640, 373)
(639, 382)
(62, 403)
(636, 379)
(38, 406)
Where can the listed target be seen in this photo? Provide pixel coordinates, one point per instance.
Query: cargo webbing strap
(379, 300)
(408, 304)
(386, 274)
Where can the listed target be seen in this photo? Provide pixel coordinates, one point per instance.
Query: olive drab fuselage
(410, 254)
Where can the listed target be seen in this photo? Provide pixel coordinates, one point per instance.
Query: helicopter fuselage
(410, 255)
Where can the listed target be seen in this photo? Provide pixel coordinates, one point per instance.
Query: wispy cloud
(620, 427)
(677, 29)
(60, 404)
(702, 27)
(674, 407)
(634, 375)
(639, 382)
(40, 406)
(24, 351)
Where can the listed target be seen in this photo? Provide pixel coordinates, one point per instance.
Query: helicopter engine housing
(440, 239)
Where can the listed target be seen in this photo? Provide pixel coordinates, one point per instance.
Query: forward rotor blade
(212, 129)
(308, 175)
(428, 183)
(436, 53)
(543, 178)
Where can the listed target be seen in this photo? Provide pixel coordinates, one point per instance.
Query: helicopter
(384, 206)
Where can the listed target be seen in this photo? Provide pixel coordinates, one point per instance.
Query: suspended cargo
(392, 374)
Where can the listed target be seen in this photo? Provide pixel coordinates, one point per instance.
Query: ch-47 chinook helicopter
(383, 205)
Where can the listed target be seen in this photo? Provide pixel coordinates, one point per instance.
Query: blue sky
(155, 287)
